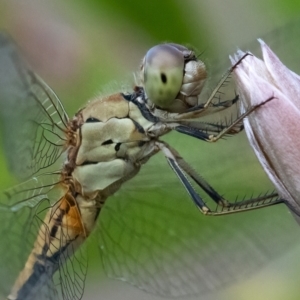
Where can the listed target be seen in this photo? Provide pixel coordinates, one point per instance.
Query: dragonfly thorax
(113, 142)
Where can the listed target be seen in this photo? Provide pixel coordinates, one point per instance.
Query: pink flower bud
(273, 129)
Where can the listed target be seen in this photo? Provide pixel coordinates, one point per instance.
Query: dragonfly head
(173, 77)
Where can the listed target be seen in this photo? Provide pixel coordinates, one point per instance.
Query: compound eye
(163, 70)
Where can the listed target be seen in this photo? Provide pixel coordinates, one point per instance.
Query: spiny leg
(237, 121)
(183, 170)
(235, 127)
(249, 204)
(221, 83)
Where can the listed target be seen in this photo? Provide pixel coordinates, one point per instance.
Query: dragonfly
(72, 166)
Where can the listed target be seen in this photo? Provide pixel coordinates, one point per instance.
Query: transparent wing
(151, 235)
(22, 213)
(33, 119)
(34, 130)
(69, 281)
(158, 241)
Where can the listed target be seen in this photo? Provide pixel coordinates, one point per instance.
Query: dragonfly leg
(221, 84)
(221, 130)
(195, 112)
(250, 204)
(237, 121)
(183, 170)
(172, 158)
(224, 205)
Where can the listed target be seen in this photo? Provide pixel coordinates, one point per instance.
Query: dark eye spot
(117, 147)
(108, 142)
(163, 77)
(92, 120)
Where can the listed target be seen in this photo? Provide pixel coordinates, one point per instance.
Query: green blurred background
(84, 47)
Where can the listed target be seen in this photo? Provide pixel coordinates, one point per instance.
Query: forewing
(33, 119)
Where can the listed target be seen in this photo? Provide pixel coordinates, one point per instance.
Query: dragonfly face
(103, 145)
